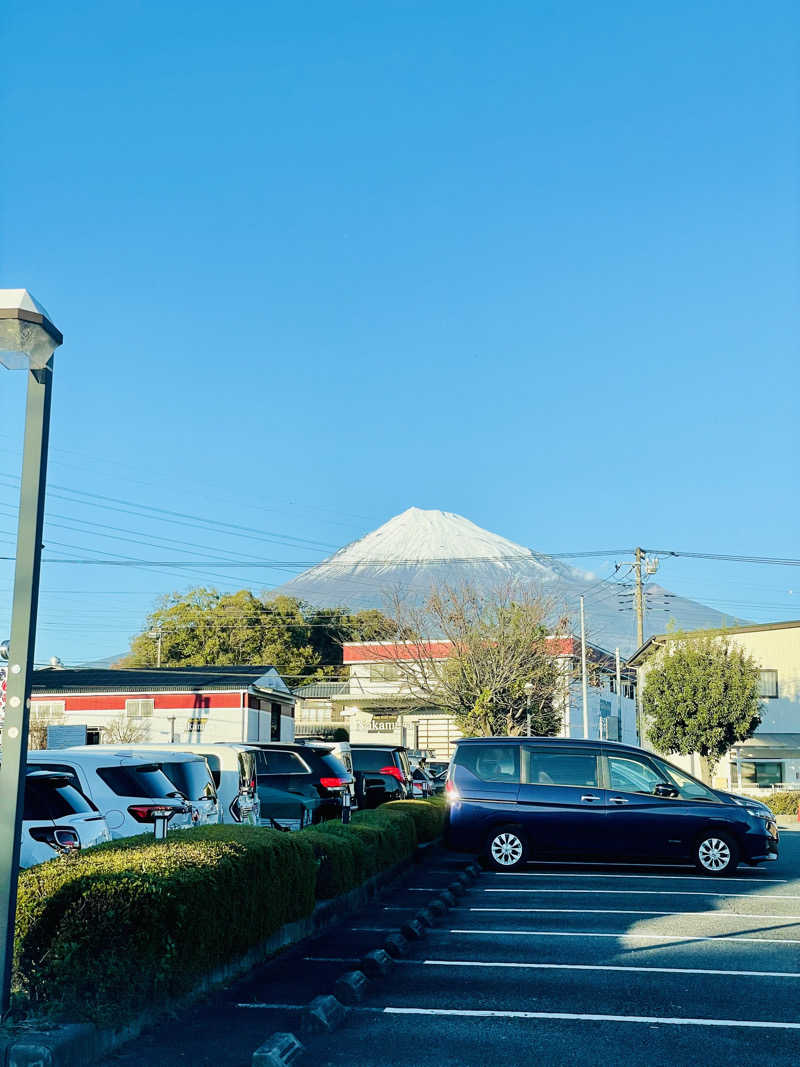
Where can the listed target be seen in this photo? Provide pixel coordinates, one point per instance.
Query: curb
(396, 945)
(325, 1014)
(277, 1051)
(351, 988)
(377, 964)
(68, 1045)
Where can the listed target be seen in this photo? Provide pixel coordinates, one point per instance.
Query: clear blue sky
(536, 264)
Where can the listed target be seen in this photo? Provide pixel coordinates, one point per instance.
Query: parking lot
(568, 964)
(589, 965)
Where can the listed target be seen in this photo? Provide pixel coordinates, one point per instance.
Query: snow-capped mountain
(419, 549)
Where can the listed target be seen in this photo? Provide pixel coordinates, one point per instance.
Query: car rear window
(134, 782)
(44, 800)
(490, 763)
(372, 759)
(333, 765)
(278, 761)
(190, 777)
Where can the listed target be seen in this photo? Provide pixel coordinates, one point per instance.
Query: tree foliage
(207, 628)
(499, 668)
(701, 696)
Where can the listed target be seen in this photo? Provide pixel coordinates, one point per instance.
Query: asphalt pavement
(564, 964)
(592, 965)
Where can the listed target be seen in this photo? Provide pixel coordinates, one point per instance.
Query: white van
(233, 768)
(188, 771)
(130, 791)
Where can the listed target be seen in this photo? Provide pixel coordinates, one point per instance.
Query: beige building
(771, 758)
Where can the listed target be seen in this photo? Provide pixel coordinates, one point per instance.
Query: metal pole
(619, 694)
(20, 663)
(639, 552)
(584, 681)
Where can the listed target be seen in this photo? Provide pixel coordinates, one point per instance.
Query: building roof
(652, 643)
(389, 651)
(321, 690)
(156, 679)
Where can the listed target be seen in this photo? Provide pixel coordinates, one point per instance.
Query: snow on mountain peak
(419, 536)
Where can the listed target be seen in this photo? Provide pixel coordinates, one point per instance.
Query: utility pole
(584, 681)
(157, 634)
(619, 692)
(637, 569)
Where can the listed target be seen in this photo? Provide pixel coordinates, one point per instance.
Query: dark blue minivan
(511, 799)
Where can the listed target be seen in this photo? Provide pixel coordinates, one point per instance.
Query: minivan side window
(632, 775)
(490, 763)
(561, 768)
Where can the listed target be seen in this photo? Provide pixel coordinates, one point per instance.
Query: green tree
(206, 628)
(701, 696)
(499, 669)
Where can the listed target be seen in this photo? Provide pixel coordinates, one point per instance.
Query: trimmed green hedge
(428, 815)
(131, 924)
(128, 925)
(783, 803)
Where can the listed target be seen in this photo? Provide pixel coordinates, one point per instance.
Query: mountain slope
(419, 549)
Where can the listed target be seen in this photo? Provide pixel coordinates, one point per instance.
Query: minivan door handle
(589, 796)
(618, 800)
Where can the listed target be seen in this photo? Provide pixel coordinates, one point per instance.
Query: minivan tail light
(151, 812)
(394, 772)
(450, 789)
(331, 783)
(60, 838)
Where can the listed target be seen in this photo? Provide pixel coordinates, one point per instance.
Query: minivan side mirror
(664, 789)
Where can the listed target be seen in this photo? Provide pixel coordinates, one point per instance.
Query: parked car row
(77, 797)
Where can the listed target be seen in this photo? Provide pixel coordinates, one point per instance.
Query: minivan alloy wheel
(714, 854)
(506, 849)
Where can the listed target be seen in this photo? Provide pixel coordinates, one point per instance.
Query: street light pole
(26, 334)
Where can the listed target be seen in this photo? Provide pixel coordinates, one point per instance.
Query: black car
(382, 773)
(300, 784)
(511, 799)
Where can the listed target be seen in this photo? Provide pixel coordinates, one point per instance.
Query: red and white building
(378, 704)
(170, 704)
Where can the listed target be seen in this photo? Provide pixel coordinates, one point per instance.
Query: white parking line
(625, 935)
(603, 967)
(588, 874)
(510, 965)
(563, 1016)
(650, 1020)
(630, 911)
(654, 893)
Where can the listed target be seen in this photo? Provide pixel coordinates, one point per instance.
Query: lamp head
(27, 336)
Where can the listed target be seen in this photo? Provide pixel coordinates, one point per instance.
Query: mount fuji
(418, 550)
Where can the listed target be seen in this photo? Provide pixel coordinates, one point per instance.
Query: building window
(384, 672)
(139, 709)
(768, 684)
(47, 710)
(629, 690)
(762, 774)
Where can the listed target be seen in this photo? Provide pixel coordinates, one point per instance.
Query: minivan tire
(506, 848)
(716, 854)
